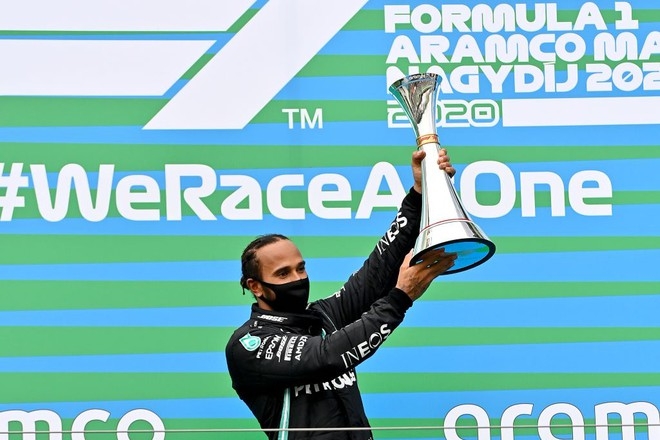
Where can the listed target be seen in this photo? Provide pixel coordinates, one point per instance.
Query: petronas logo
(250, 342)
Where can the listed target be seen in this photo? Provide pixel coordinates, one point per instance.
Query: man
(292, 362)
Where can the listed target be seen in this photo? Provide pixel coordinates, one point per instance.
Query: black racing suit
(296, 370)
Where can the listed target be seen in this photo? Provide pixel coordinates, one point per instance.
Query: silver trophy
(445, 223)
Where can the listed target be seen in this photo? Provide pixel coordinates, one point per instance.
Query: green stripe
(48, 249)
(574, 244)
(284, 417)
(466, 427)
(383, 428)
(80, 295)
(80, 387)
(451, 290)
(74, 341)
(365, 19)
(559, 154)
(176, 429)
(438, 336)
(84, 112)
(71, 387)
(197, 66)
(55, 111)
(195, 425)
(153, 157)
(441, 382)
(376, 65)
(137, 157)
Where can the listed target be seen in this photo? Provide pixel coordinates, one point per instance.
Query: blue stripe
(147, 35)
(431, 405)
(211, 408)
(600, 357)
(367, 87)
(627, 310)
(605, 357)
(365, 133)
(561, 266)
(220, 316)
(626, 221)
(370, 87)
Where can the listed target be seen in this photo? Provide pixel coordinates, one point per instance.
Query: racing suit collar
(307, 321)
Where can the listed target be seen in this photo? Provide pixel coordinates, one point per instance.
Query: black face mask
(289, 297)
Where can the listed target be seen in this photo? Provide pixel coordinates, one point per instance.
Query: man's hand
(444, 163)
(414, 280)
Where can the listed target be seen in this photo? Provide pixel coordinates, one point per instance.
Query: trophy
(445, 223)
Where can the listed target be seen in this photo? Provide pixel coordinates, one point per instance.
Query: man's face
(280, 262)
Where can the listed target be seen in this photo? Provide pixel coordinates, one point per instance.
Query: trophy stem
(444, 223)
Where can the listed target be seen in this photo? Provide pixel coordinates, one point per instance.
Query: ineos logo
(364, 349)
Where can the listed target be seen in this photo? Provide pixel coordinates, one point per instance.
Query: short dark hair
(249, 263)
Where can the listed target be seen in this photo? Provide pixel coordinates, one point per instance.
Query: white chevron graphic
(226, 93)
(254, 65)
(121, 15)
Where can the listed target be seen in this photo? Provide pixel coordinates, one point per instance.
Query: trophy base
(461, 237)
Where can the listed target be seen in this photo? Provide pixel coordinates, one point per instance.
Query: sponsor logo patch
(250, 342)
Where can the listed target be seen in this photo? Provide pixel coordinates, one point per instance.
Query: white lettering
(624, 412)
(79, 425)
(576, 421)
(143, 415)
(29, 420)
(138, 197)
(449, 17)
(509, 418)
(318, 194)
(577, 191)
(478, 413)
(371, 197)
(192, 195)
(72, 174)
(248, 189)
(274, 196)
(126, 198)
